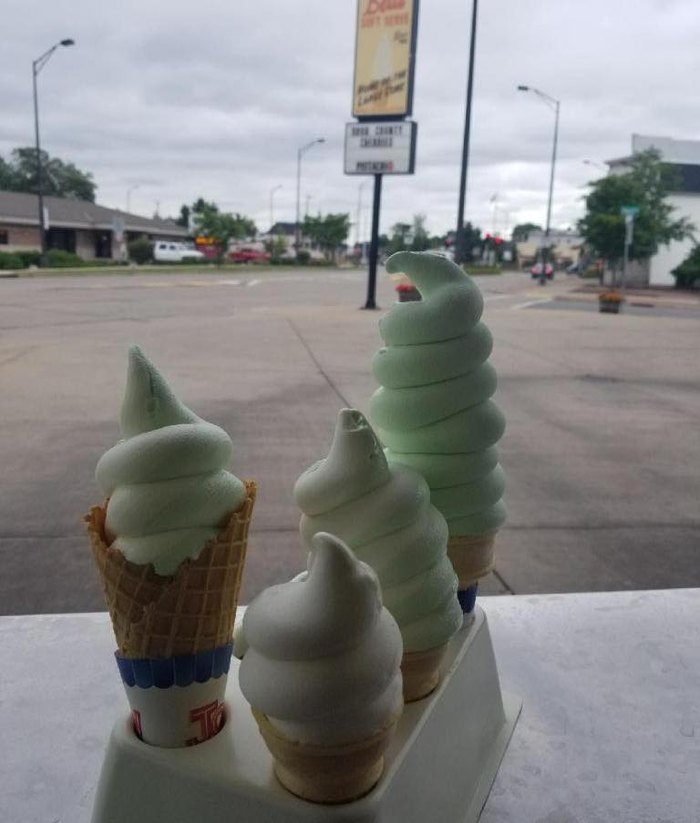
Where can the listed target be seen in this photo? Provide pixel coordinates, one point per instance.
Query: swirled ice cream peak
(168, 487)
(450, 301)
(322, 655)
(149, 402)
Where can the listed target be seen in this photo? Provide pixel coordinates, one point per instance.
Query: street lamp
(272, 204)
(128, 195)
(554, 104)
(300, 153)
(596, 164)
(37, 66)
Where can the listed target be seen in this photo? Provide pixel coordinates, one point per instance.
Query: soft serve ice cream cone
(170, 546)
(321, 672)
(383, 513)
(434, 410)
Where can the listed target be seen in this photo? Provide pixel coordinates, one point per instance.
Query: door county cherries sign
(384, 49)
(380, 147)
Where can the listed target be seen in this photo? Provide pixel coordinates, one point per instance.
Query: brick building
(87, 229)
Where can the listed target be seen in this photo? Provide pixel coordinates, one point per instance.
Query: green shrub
(141, 250)
(10, 261)
(303, 257)
(688, 273)
(60, 259)
(29, 258)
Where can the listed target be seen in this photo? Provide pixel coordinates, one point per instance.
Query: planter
(610, 306)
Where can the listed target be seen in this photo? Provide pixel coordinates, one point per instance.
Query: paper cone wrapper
(179, 716)
(472, 557)
(326, 774)
(421, 672)
(191, 611)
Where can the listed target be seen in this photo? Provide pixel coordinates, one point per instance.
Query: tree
(522, 231)
(276, 247)
(330, 231)
(646, 185)
(472, 240)
(400, 237)
(184, 218)
(687, 274)
(222, 227)
(59, 178)
(420, 240)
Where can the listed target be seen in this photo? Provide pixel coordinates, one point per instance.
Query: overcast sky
(213, 98)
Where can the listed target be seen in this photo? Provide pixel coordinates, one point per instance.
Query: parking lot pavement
(601, 450)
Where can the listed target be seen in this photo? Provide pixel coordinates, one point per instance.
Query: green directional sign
(629, 211)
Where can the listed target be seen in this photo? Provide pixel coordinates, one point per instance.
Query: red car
(249, 256)
(536, 271)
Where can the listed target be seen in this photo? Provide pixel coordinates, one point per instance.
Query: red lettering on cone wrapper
(136, 723)
(210, 718)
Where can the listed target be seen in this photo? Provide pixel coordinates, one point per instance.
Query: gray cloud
(213, 99)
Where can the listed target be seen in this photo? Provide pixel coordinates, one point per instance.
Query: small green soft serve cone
(383, 513)
(434, 410)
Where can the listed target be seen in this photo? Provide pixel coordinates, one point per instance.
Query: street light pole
(300, 153)
(459, 237)
(37, 66)
(552, 102)
(128, 195)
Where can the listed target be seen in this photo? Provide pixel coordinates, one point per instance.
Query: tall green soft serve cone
(434, 410)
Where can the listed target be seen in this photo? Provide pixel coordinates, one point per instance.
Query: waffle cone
(326, 774)
(421, 672)
(190, 611)
(472, 557)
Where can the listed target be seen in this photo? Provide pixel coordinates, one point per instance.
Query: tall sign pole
(460, 251)
(382, 141)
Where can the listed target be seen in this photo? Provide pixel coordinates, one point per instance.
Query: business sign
(385, 47)
(118, 228)
(380, 147)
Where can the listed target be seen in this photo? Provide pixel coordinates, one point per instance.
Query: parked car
(536, 271)
(245, 255)
(166, 251)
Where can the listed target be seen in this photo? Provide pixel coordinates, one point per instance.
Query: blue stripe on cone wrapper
(175, 671)
(467, 598)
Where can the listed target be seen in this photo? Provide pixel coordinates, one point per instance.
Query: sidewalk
(637, 296)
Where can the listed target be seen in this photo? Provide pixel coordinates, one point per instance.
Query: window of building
(4, 238)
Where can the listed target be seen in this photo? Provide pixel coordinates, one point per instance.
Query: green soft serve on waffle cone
(435, 410)
(170, 545)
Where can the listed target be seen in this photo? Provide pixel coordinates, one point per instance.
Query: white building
(684, 156)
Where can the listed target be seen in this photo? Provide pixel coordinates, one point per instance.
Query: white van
(167, 251)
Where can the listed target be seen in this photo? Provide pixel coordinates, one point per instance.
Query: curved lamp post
(37, 66)
(300, 152)
(554, 104)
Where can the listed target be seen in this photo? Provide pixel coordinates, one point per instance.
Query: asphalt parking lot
(602, 450)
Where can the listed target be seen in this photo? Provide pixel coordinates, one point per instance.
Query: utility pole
(371, 302)
(460, 251)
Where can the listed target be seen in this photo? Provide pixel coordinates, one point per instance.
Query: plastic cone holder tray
(440, 765)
